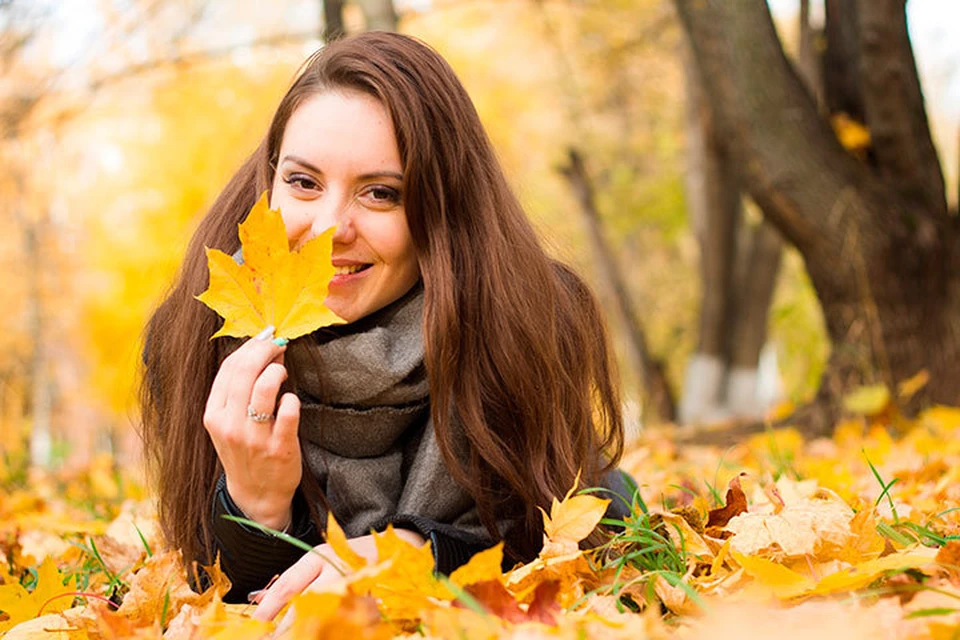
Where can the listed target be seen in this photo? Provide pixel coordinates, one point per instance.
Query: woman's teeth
(343, 271)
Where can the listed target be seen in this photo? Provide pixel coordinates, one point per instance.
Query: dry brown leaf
(736, 503)
(819, 527)
(158, 590)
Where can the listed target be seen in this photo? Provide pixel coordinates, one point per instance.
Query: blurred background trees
(120, 120)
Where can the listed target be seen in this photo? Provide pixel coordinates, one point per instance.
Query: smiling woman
(471, 384)
(339, 165)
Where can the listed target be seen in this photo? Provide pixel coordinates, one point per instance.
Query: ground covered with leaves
(775, 536)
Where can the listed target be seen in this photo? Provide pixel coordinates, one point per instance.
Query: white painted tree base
(713, 392)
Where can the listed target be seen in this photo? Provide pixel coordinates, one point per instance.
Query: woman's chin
(342, 308)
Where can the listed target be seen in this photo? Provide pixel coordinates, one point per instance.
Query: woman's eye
(302, 182)
(384, 195)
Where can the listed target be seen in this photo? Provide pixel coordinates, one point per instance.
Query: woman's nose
(322, 214)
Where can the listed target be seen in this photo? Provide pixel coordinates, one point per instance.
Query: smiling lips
(348, 269)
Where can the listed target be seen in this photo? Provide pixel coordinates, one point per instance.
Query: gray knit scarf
(365, 422)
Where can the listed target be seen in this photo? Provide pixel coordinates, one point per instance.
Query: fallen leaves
(46, 596)
(791, 557)
(274, 286)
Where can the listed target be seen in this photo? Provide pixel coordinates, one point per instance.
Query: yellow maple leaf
(571, 520)
(483, 566)
(21, 605)
(334, 615)
(337, 540)
(274, 286)
(402, 580)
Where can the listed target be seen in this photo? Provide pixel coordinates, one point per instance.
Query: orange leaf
(338, 542)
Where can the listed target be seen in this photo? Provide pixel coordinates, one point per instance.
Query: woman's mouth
(344, 274)
(350, 269)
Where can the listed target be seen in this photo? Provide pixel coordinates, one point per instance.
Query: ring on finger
(256, 416)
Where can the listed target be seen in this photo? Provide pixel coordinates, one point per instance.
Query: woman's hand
(318, 570)
(260, 453)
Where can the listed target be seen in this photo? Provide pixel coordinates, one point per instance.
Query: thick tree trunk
(841, 72)
(657, 395)
(895, 112)
(882, 267)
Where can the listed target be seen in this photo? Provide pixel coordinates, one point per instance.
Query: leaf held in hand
(274, 286)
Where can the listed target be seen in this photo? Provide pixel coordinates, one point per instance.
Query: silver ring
(259, 417)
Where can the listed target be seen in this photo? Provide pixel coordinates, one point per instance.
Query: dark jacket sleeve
(250, 557)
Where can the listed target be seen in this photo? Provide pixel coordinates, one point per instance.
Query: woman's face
(339, 165)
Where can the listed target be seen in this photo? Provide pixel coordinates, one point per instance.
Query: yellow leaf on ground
(331, 615)
(781, 581)
(403, 579)
(274, 286)
(573, 519)
(47, 596)
(867, 401)
(486, 565)
(862, 574)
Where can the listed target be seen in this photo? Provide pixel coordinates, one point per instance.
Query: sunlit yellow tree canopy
(763, 198)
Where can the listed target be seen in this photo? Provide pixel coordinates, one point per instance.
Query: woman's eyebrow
(382, 174)
(366, 176)
(303, 163)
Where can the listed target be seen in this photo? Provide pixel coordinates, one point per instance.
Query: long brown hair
(516, 347)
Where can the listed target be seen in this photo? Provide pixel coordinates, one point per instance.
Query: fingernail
(280, 342)
(265, 334)
(255, 596)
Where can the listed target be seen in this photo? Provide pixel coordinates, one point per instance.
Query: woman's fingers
(287, 424)
(253, 358)
(293, 581)
(239, 371)
(263, 400)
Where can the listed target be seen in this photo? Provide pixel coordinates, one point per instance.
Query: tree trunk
(882, 266)
(841, 71)
(713, 200)
(737, 274)
(895, 113)
(41, 437)
(656, 393)
(760, 253)
(379, 14)
(808, 59)
(332, 20)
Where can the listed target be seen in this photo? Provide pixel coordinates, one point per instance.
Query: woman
(471, 382)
